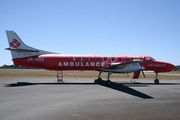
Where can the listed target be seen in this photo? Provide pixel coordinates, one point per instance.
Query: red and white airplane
(24, 55)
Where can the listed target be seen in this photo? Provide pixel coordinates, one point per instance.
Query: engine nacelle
(130, 68)
(112, 64)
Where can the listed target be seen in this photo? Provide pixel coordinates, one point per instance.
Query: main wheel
(156, 81)
(108, 82)
(99, 79)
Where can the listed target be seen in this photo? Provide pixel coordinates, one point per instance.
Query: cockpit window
(150, 59)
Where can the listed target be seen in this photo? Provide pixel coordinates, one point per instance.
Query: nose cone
(161, 66)
(172, 67)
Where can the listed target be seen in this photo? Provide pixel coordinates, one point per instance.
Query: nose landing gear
(156, 81)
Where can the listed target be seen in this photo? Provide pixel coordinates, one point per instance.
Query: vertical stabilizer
(19, 49)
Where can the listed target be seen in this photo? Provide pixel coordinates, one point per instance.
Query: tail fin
(19, 49)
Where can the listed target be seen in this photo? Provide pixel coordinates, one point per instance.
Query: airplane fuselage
(89, 62)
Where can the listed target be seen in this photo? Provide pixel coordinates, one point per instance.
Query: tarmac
(82, 99)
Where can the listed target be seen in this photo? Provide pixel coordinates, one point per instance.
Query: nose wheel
(156, 81)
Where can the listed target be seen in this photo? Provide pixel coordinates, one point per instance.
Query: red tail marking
(15, 43)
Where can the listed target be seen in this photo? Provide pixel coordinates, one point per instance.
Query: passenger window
(105, 58)
(119, 59)
(97, 59)
(112, 59)
(82, 59)
(74, 58)
(127, 59)
(89, 59)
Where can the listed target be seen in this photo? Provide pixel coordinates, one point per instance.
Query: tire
(108, 82)
(156, 81)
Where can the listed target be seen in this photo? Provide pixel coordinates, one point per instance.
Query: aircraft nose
(172, 67)
(165, 66)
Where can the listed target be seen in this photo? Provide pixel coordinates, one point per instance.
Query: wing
(125, 67)
(124, 64)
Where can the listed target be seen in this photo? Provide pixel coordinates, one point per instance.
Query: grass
(39, 73)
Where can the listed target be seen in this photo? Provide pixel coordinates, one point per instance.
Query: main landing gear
(108, 82)
(99, 79)
(99, 76)
(156, 81)
(60, 76)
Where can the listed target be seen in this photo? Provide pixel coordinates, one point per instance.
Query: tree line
(15, 67)
(178, 67)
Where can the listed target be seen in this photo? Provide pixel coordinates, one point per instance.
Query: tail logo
(15, 43)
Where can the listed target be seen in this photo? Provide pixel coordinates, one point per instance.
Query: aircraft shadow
(126, 88)
(122, 87)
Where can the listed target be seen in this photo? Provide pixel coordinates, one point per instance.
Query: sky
(132, 27)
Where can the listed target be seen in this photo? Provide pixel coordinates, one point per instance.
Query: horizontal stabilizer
(21, 50)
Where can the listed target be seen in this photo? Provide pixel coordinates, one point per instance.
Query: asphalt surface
(81, 99)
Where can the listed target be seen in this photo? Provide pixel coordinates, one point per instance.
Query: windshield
(150, 59)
